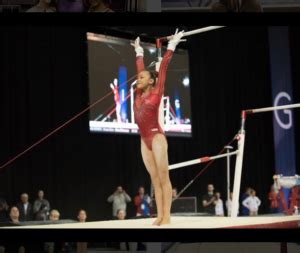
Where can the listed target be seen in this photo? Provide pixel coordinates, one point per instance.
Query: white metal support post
(238, 168)
(228, 148)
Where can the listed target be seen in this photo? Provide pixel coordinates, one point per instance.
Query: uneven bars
(201, 30)
(273, 108)
(200, 160)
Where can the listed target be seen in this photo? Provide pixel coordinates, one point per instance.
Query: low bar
(200, 160)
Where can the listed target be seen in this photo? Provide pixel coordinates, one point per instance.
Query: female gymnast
(115, 90)
(154, 147)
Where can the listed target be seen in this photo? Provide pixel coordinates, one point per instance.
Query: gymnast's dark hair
(153, 75)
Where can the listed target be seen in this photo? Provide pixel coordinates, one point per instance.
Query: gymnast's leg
(151, 168)
(160, 153)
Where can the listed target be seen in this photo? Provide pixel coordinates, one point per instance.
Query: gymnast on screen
(115, 90)
(154, 147)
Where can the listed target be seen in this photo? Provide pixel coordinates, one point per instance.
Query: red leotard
(146, 107)
(116, 93)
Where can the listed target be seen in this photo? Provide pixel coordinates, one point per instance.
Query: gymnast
(115, 90)
(154, 146)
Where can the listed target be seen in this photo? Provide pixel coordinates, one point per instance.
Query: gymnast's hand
(175, 40)
(137, 47)
(114, 86)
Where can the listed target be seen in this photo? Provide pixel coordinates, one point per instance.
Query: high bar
(201, 30)
(200, 160)
(273, 108)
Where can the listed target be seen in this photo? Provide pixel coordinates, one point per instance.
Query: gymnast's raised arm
(162, 74)
(139, 55)
(140, 66)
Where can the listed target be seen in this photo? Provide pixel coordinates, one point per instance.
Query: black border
(151, 235)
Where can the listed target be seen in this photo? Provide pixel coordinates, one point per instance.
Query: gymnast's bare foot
(165, 221)
(157, 221)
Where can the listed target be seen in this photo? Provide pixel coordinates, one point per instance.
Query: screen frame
(146, 40)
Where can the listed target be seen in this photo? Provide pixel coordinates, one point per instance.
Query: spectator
(219, 208)
(71, 6)
(12, 246)
(274, 199)
(237, 6)
(119, 199)
(152, 206)
(129, 246)
(21, 247)
(14, 215)
(81, 247)
(121, 214)
(3, 210)
(44, 6)
(52, 247)
(54, 215)
(246, 194)
(82, 215)
(252, 203)
(174, 193)
(142, 202)
(99, 6)
(208, 200)
(229, 205)
(41, 207)
(25, 208)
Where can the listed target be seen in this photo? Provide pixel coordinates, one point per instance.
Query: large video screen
(112, 76)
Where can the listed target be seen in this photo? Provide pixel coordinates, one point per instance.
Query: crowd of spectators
(124, 6)
(212, 204)
(105, 6)
(119, 199)
(249, 203)
(71, 6)
(24, 210)
(237, 6)
(40, 210)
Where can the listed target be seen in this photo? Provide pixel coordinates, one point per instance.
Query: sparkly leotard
(116, 95)
(118, 104)
(146, 107)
